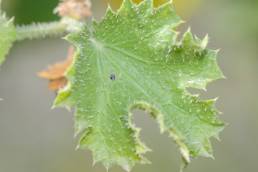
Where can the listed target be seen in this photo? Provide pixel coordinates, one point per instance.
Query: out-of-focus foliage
(43, 9)
(247, 11)
(28, 11)
(184, 7)
(243, 17)
(7, 35)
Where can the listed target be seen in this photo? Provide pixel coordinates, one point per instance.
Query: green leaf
(7, 35)
(132, 60)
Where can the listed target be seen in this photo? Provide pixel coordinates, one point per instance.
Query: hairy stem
(41, 30)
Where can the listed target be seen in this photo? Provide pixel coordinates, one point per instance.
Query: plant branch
(41, 30)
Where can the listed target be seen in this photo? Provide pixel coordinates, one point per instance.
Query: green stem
(41, 30)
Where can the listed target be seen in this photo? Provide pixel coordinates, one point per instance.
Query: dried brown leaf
(56, 73)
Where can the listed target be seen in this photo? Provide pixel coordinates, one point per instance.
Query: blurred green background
(34, 138)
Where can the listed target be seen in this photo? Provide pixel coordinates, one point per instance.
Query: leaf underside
(7, 36)
(132, 59)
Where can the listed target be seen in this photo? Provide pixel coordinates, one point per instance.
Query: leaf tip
(205, 41)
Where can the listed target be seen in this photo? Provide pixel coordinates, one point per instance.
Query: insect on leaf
(132, 59)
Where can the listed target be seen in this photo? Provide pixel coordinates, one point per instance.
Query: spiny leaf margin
(176, 52)
(7, 35)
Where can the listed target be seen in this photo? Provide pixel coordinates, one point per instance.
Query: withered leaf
(56, 73)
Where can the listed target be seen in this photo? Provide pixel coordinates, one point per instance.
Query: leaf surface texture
(132, 59)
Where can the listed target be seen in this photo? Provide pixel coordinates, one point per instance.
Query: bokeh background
(34, 138)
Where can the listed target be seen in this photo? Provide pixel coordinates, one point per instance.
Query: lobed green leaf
(132, 59)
